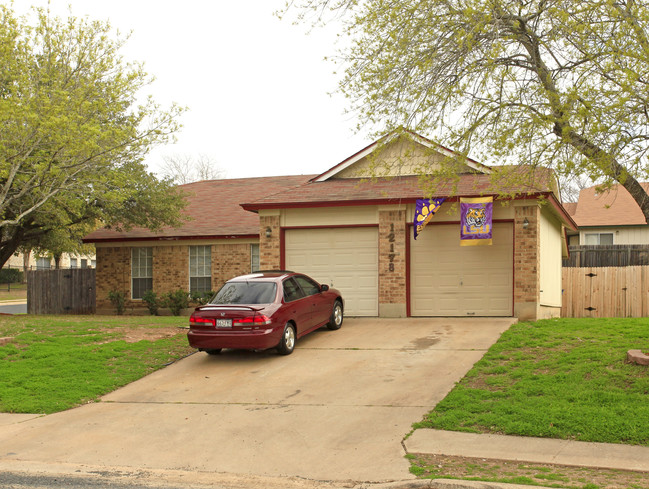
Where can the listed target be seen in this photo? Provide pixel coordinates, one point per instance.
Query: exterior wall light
(269, 232)
(526, 224)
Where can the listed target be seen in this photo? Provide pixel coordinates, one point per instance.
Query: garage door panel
(346, 258)
(451, 280)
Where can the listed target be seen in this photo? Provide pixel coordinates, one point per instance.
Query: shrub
(118, 300)
(152, 302)
(11, 276)
(176, 301)
(202, 298)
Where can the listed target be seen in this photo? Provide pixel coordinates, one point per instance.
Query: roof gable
(613, 207)
(399, 153)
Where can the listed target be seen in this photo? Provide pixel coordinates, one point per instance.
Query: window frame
(254, 257)
(200, 272)
(598, 236)
(147, 269)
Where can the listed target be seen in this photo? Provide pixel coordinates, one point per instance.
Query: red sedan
(264, 310)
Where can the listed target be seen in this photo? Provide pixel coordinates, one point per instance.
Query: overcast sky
(257, 88)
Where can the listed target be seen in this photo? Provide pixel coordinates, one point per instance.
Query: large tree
(559, 83)
(72, 133)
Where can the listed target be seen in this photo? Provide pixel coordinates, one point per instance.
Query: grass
(59, 362)
(556, 378)
(13, 292)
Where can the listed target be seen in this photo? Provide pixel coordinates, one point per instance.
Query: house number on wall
(392, 254)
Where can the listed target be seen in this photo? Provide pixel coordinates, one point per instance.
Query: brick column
(392, 263)
(527, 285)
(269, 248)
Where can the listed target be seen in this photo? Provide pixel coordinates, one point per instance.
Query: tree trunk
(26, 256)
(9, 246)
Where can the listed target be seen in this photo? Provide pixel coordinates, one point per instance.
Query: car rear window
(245, 293)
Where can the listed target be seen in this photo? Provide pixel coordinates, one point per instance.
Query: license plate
(224, 323)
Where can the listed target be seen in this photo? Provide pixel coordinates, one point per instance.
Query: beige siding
(399, 159)
(622, 235)
(550, 261)
(330, 216)
(346, 259)
(450, 212)
(452, 280)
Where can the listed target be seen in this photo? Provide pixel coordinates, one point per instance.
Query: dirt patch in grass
(561, 476)
(133, 335)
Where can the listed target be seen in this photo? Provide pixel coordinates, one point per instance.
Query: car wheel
(287, 343)
(213, 351)
(336, 320)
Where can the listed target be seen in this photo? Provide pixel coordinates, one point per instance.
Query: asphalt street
(20, 308)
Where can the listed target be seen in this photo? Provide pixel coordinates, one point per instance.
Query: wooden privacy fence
(606, 292)
(69, 291)
(607, 256)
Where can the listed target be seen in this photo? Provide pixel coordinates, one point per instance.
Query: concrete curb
(528, 449)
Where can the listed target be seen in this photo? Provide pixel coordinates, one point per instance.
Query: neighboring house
(608, 218)
(39, 262)
(355, 232)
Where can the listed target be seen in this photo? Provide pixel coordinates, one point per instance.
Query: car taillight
(259, 320)
(198, 321)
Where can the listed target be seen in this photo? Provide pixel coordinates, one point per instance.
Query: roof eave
(169, 238)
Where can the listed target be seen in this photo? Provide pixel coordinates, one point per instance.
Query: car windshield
(245, 293)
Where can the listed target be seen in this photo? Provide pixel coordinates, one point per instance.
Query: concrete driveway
(336, 409)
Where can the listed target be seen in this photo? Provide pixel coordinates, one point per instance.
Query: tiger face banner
(425, 209)
(476, 221)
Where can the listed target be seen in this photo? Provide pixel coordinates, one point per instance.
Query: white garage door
(346, 258)
(452, 280)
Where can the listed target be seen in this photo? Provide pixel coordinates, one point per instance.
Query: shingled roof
(357, 191)
(213, 206)
(614, 207)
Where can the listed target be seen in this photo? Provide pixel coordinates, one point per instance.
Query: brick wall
(526, 262)
(269, 248)
(170, 268)
(392, 263)
(229, 260)
(113, 273)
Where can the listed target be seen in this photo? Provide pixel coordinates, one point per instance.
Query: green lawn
(13, 292)
(58, 362)
(557, 378)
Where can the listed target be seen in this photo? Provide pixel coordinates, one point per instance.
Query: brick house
(351, 229)
(220, 240)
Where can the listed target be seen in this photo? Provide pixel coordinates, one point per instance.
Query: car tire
(213, 351)
(336, 320)
(287, 342)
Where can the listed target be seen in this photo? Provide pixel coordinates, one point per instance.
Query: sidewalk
(528, 449)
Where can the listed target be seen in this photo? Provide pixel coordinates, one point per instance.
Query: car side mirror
(324, 288)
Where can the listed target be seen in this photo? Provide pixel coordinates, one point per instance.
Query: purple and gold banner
(425, 209)
(476, 221)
